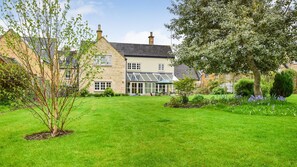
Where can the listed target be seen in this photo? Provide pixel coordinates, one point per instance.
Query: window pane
(148, 87)
(140, 88)
(97, 85)
(106, 60)
(129, 66)
(102, 85)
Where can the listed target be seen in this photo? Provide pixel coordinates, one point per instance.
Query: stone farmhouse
(133, 68)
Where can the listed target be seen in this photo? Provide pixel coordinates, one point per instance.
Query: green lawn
(139, 131)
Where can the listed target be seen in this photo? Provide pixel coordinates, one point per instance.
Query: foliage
(185, 87)
(293, 73)
(273, 106)
(108, 92)
(283, 84)
(184, 99)
(121, 94)
(197, 99)
(84, 92)
(219, 91)
(244, 87)
(265, 90)
(14, 82)
(203, 90)
(213, 84)
(235, 36)
(37, 32)
(175, 102)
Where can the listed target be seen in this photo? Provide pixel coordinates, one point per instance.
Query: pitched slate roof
(182, 71)
(143, 50)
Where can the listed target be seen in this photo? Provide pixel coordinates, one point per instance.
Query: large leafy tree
(42, 37)
(222, 36)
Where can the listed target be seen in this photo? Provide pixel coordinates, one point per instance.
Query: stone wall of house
(21, 53)
(114, 73)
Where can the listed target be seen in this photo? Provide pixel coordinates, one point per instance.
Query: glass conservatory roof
(150, 77)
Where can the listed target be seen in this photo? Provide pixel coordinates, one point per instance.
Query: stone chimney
(99, 32)
(151, 39)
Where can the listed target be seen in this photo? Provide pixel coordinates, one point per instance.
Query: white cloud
(88, 8)
(84, 10)
(142, 37)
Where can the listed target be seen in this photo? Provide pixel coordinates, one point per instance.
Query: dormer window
(103, 60)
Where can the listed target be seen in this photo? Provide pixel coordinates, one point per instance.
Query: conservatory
(150, 83)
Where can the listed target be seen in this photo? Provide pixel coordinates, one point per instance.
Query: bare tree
(42, 38)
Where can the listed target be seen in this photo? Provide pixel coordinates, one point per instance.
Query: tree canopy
(235, 35)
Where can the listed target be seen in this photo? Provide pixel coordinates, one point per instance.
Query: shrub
(97, 95)
(293, 73)
(244, 87)
(84, 92)
(203, 90)
(108, 92)
(185, 87)
(14, 82)
(197, 99)
(175, 102)
(184, 99)
(283, 84)
(121, 94)
(219, 91)
(213, 84)
(265, 90)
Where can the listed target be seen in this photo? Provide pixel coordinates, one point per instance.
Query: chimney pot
(99, 32)
(151, 39)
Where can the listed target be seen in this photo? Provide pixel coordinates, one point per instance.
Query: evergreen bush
(197, 99)
(244, 87)
(283, 84)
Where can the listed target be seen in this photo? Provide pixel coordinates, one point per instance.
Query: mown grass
(139, 131)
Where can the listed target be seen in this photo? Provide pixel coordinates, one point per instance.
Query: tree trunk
(55, 131)
(257, 83)
(257, 76)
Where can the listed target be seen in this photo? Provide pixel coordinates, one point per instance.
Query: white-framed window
(161, 67)
(101, 86)
(134, 66)
(67, 74)
(129, 65)
(103, 60)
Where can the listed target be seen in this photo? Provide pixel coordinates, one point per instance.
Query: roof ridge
(136, 44)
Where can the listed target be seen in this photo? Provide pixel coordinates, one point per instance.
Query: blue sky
(127, 21)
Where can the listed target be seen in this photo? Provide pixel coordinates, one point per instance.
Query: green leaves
(13, 82)
(225, 32)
